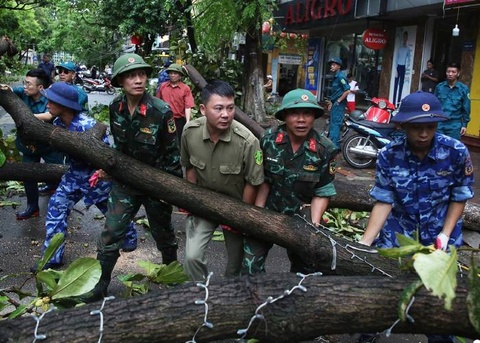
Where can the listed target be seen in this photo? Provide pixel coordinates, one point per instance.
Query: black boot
(107, 262)
(169, 255)
(32, 209)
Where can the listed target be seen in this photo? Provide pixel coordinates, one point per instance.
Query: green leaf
(79, 278)
(20, 310)
(218, 236)
(473, 297)
(55, 243)
(173, 273)
(404, 240)
(406, 297)
(131, 277)
(49, 278)
(151, 268)
(438, 272)
(2, 158)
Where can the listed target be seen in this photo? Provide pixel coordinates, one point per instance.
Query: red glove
(94, 179)
(441, 242)
(228, 228)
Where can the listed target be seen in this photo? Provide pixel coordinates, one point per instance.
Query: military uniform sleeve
(169, 157)
(382, 190)
(325, 187)
(116, 144)
(464, 180)
(184, 151)
(466, 106)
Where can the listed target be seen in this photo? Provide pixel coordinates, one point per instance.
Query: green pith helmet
(299, 98)
(126, 63)
(176, 68)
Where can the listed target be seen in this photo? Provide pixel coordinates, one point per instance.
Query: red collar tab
(280, 137)
(312, 144)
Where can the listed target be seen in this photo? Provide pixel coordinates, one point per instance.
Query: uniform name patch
(145, 130)
(171, 126)
(310, 167)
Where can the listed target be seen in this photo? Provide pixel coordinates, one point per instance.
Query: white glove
(442, 241)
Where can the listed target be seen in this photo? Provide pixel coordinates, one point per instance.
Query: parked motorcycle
(380, 110)
(361, 148)
(98, 85)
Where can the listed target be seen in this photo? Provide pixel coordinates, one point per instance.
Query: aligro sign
(375, 39)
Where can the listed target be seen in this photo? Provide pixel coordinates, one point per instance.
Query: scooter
(380, 111)
(361, 148)
(100, 85)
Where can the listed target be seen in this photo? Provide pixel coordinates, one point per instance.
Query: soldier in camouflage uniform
(299, 169)
(143, 128)
(338, 98)
(74, 185)
(422, 183)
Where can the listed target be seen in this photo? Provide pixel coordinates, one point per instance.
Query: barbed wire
(271, 300)
(100, 313)
(347, 247)
(203, 302)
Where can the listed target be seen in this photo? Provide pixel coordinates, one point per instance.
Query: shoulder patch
(343, 81)
(259, 157)
(468, 167)
(171, 126)
(332, 166)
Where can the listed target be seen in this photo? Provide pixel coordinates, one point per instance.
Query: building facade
(384, 44)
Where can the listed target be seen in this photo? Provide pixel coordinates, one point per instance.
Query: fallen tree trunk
(330, 254)
(353, 196)
(330, 305)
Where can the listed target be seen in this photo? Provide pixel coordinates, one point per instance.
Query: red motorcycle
(98, 85)
(380, 111)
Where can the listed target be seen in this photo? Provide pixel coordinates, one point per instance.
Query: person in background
(422, 183)
(163, 75)
(47, 66)
(455, 98)
(299, 169)
(429, 78)
(143, 128)
(75, 184)
(338, 100)
(179, 96)
(66, 73)
(268, 86)
(220, 154)
(35, 82)
(351, 95)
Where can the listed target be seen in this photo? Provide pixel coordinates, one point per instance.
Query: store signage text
(374, 39)
(302, 12)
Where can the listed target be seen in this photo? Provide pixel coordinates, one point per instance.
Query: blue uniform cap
(68, 65)
(64, 94)
(335, 60)
(420, 108)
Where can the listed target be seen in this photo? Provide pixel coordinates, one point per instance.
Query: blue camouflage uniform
(339, 86)
(73, 187)
(421, 191)
(149, 135)
(456, 105)
(294, 178)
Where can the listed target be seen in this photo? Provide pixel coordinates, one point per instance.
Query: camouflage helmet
(126, 63)
(420, 108)
(299, 98)
(176, 68)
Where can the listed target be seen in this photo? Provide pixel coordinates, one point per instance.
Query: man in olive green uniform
(143, 128)
(299, 169)
(220, 154)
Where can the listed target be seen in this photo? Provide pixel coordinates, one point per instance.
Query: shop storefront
(407, 38)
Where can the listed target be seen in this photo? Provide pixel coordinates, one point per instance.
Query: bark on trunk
(254, 96)
(330, 305)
